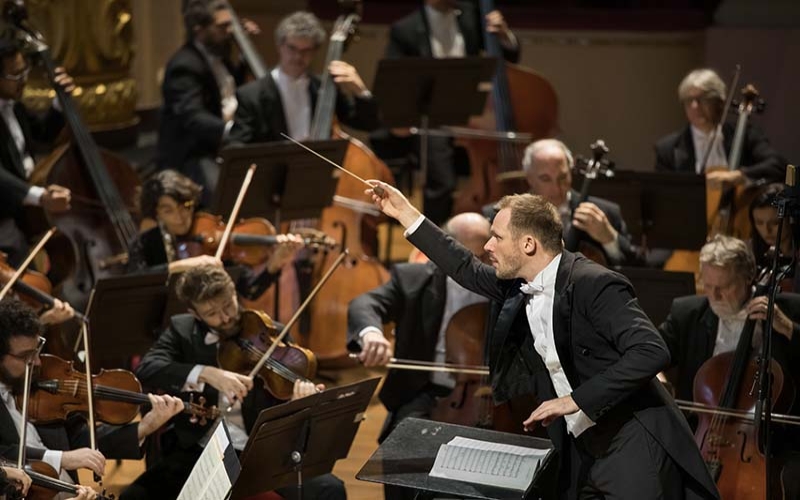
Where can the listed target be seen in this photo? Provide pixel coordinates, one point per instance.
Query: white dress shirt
(7, 111)
(445, 36)
(539, 310)
(716, 157)
(225, 83)
(729, 330)
(296, 103)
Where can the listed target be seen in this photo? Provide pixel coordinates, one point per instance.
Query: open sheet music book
(215, 471)
(483, 462)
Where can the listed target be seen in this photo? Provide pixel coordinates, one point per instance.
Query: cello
(99, 225)
(352, 215)
(522, 101)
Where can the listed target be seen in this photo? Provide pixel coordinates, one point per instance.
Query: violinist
(283, 101)
(548, 167)
(444, 29)
(171, 200)
(764, 228)
(15, 478)
(63, 445)
(421, 300)
(699, 327)
(702, 94)
(199, 94)
(184, 358)
(20, 130)
(572, 335)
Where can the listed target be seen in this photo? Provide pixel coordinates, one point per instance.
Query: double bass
(100, 224)
(352, 216)
(522, 101)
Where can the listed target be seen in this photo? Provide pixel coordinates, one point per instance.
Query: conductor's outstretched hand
(393, 203)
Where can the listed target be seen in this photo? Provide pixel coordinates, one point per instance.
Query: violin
(34, 287)
(251, 241)
(288, 362)
(118, 395)
(45, 484)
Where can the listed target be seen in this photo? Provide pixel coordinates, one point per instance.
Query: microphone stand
(763, 409)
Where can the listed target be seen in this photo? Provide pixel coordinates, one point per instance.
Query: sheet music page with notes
(501, 465)
(210, 479)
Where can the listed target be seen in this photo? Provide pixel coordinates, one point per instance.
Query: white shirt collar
(438, 17)
(546, 279)
(285, 80)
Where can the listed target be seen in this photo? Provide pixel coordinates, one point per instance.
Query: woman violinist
(185, 357)
(171, 199)
(764, 231)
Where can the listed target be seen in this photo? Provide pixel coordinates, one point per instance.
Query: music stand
(302, 438)
(660, 206)
(289, 183)
(126, 317)
(428, 92)
(656, 289)
(407, 455)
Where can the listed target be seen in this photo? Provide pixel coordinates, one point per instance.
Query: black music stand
(302, 438)
(406, 457)
(656, 289)
(126, 317)
(668, 208)
(289, 183)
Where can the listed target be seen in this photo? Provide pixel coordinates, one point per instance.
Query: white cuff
(613, 251)
(192, 383)
(367, 330)
(512, 42)
(57, 105)
(34, 196)
(53, 459)
(227, 131)
(413, 227)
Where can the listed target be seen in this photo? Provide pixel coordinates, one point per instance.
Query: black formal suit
(36, 128)
(260, 116)
(614, 214)
(165, 367)
(610, 353)
(410, 37)
(760, 162)
(121, 442)
(147, 254)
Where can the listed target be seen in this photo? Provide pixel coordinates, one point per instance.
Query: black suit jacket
(690, 332)
(36, 129)
(167, 364)
(120, 442)
(608, 348)
(260, 116)
(760, 162)
(191, 124)
(410, 36)
(414, 299)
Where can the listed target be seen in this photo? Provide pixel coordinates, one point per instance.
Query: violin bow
(377, 189)
(87, 364)
(24, 266)
(26, 394)
(728, 101)
(257, 368)
(235, 211)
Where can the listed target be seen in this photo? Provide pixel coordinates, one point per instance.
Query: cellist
(283, 101)
(701, 326)
(421, 300)
(20, 128)
(444, 29)
(171, 199)
(185, 358)
(63, 445)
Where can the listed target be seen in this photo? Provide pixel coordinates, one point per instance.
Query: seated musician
(14, 479)
(764, 230)
(171, 199)
(20, 129)
(61, 445)
(185, 358)
(283, 101)
(702, 94)
(199, 94)
(548, 168)
(701, 326)
(421, 300)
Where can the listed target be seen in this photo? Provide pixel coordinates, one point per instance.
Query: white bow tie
(531, 288)
(211, 338)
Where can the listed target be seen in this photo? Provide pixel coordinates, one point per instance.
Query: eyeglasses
(23, 75)
(308, 51)
(700, 99)
(26, 355)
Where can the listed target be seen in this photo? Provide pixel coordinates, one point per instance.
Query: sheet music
(209, 479)
(483, 462)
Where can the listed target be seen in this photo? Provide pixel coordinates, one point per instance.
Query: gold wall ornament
(93, 40)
